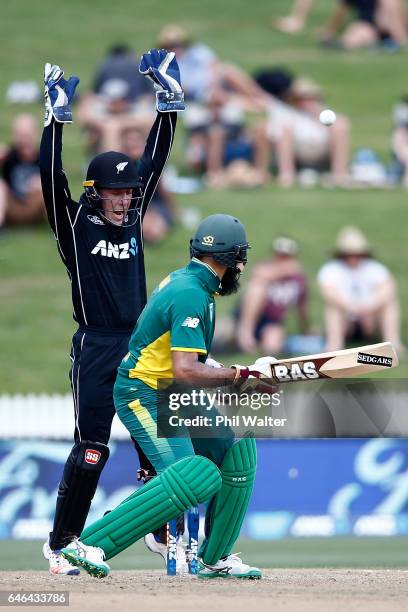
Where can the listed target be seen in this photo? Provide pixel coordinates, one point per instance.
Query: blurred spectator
(238, 155)
(218, 95)
(376, 21)
(161, 212)
(399, 142)
(205, 78)
(121, 99)
(21, 200)
(299, 139)
(123, 65)
(105, 116)
(359, 294)
(275, 286)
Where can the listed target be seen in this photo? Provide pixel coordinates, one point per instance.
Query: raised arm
(156, 153)
(162, 69)
(53, 179)
(58, 95)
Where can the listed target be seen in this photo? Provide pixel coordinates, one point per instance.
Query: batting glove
(260, 369)
(212, 363)
(162, 68)
(252, 377)
(58, 94)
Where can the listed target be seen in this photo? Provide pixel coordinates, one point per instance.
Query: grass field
(35, 316)
(287, 553)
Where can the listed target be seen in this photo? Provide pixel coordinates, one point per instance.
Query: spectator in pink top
(275, 286)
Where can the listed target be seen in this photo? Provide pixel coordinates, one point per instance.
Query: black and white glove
(162, 68)
(58, 94)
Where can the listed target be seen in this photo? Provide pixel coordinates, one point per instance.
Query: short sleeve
(329, 274)
(377, 271)
(187, 324)
(204, 54)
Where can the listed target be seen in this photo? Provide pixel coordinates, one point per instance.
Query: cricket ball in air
(327, 117)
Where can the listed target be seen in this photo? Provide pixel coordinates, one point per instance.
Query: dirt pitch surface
(289, 590)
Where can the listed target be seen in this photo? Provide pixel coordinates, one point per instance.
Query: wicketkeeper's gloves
(161, 67)
(58, 94)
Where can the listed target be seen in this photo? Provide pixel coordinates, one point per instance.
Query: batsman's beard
(230, 281)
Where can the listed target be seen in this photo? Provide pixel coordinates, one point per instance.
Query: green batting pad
(228, 508)
(188, 482)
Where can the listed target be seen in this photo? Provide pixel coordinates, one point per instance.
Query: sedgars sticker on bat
(375, 360)
(337, 364)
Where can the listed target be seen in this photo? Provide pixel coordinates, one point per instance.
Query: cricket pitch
(286, 590)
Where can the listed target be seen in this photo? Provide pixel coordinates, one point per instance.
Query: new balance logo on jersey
(117, 251)
(190, 322)
(120, 167)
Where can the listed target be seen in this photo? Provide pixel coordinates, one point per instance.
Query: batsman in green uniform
(172, 340)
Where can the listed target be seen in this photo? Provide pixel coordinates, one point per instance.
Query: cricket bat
(337, 364)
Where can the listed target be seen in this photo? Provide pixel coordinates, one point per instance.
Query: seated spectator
(299, 139)
(161, 212)
(275, 286)
(218, 95)
(21, 200)
(105, 116)
(375, 22)
(121, 98)
(399, 142)
(359, 293)
(238, 155)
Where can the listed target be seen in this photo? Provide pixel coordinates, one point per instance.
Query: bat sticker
(375, 360)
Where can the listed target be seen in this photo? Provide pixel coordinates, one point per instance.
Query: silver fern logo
(120, 167)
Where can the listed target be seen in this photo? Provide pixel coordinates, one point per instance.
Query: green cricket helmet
(221, 237)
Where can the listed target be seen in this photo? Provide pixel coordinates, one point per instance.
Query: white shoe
(58, 565)
(91, 558)
(155, 547)
(229, 567)
(158, 547)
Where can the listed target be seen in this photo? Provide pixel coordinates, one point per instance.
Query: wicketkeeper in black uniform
(100, 242)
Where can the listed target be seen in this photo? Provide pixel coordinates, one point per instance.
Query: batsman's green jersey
(179, 316)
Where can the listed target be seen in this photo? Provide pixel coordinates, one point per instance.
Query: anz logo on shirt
(117, 251)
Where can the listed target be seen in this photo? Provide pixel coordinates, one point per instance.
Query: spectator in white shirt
(359, 294)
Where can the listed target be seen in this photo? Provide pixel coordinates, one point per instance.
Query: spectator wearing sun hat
(359, 294)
